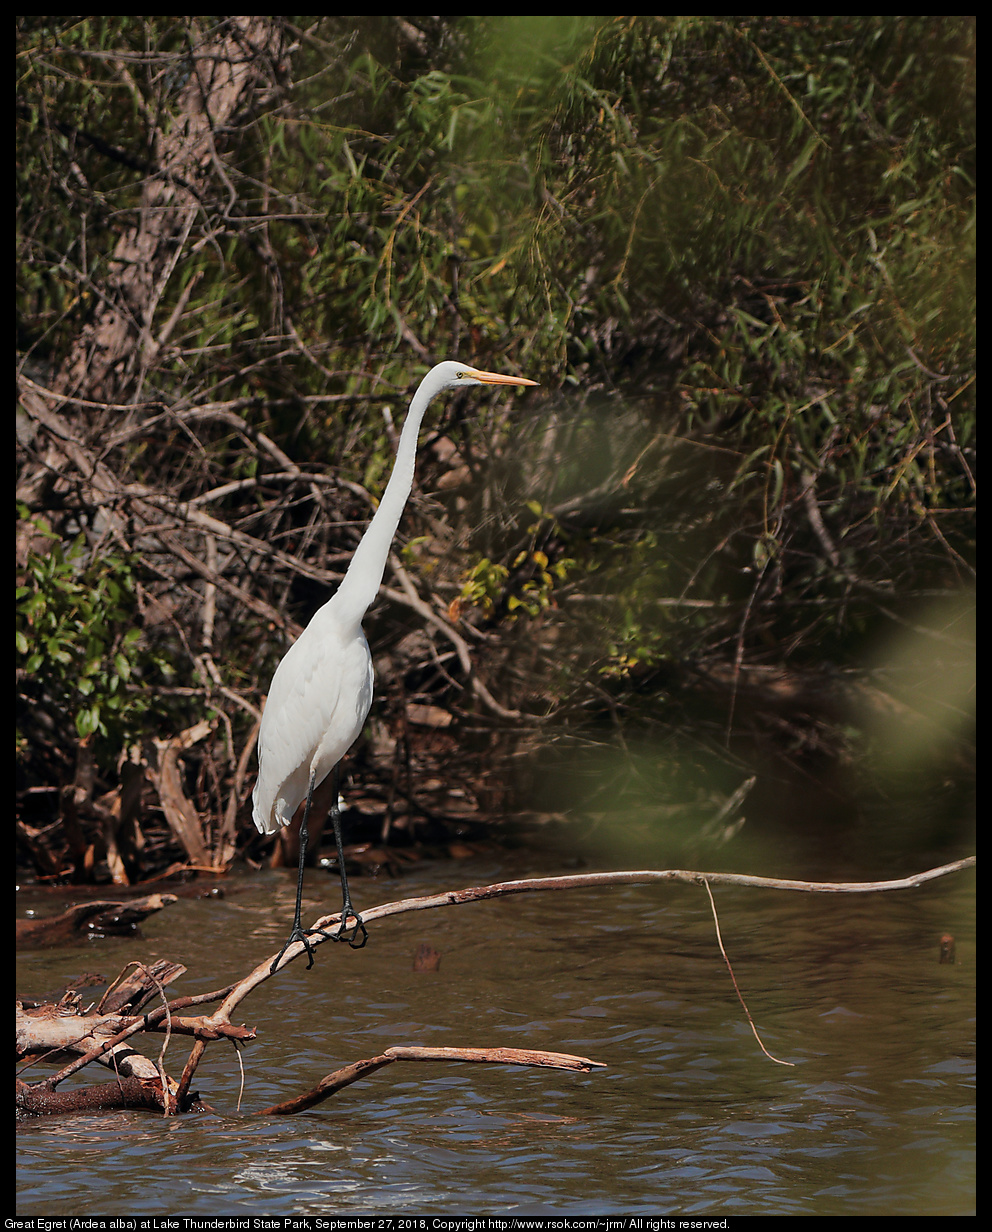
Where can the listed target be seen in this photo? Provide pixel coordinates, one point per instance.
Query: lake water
(876, 1116)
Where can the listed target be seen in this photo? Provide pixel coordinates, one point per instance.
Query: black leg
(346, 907)
(299, 933)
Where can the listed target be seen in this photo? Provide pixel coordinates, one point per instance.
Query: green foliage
(525, 587)
(79, 652)
(483, 586)
(536, 592)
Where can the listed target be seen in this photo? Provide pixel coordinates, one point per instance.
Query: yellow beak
(496, 378)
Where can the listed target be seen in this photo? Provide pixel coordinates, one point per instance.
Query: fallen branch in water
(87, 919)
(77, 1029)
(581, 881)
(493, 1056)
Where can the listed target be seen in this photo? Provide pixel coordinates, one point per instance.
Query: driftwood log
(84, 919)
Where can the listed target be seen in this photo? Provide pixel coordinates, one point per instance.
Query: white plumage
(317, 705)
(322, 690)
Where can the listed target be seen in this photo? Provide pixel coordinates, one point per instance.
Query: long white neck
(360, 584)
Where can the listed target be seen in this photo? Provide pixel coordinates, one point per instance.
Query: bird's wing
(318, 700)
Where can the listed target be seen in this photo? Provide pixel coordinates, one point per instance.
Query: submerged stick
(345, 1076)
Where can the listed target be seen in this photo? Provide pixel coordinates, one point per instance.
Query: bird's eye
(459, 375)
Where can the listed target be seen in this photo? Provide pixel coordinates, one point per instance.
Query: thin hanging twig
(740, 996)
(241, 1067)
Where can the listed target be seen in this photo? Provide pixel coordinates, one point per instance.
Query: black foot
(343, 934)
(302, 934)
(359, 928)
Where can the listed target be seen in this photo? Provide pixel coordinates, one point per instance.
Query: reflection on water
(877, 1117)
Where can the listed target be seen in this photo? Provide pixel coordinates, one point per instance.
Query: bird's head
(453, 375)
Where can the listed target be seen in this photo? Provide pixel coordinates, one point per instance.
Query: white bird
(322, 690)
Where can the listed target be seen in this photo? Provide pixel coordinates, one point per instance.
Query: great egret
(322, 690)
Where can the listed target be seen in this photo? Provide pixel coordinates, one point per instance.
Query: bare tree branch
(583, 881)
